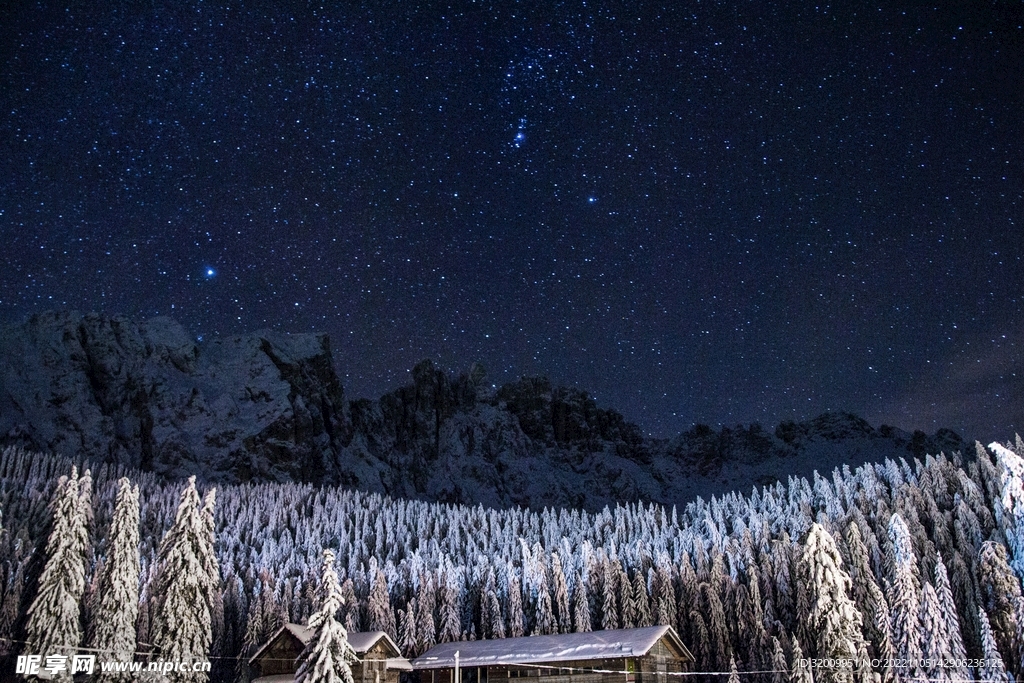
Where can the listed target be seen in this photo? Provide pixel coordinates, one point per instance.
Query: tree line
(919, 561)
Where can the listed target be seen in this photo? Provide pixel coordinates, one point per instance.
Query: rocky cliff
(269, 406)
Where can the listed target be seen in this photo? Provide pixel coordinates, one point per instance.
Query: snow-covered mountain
(270, 407)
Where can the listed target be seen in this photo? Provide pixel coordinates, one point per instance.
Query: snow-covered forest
(905, 560)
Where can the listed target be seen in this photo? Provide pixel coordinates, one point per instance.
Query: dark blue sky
(699, 212)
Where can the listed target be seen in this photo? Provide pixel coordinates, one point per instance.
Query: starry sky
(699, 212)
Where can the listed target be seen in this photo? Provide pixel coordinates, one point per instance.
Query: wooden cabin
(378, 658)
(634, 655)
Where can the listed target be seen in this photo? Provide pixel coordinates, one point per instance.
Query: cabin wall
(278, 658)
(372, 667)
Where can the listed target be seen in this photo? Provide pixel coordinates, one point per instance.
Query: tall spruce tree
(183, 624)
(563, 615)
(800, 671)
(117, 604)
(55, 616)
(328, 655)
(379, 613)
(1009, 508)
(992, 669)
(1001, 592)
(905, 599)
(580, 607)
(833, 619)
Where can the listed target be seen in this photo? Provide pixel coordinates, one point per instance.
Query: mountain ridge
(269, 406)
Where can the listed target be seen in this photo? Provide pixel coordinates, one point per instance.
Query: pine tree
(904, 598)
(182, 627)
(778, 663)
(580, 607)
(327, 656)
(992, 669)
(609, 604)
(833, 618)
(734, 675)
(1001, 593)
(701, 642)
(450, 624)
(948, 610)
(643, 605)
(380, 615)
(407, 629)
(516, 618)
(563, 615)
(54, 618)
(544, 618)
(935, 640)
(211, 568)
(117, 607)
(1009, 508)
(426, 627)
(800, 671)
(350, 607)
(718, 632)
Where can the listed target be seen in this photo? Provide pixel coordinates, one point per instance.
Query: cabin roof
(361, 641)
(566, 647)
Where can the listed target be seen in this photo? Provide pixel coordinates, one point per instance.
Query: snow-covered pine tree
(182, 627)
(580, 606)
(351, 606)
(496, 627)
(948, 610)
(833, 618)
(700, 642)
(516, 619)
(1000, 590)
(327, 657)
(117, 604)
(1009, 508)
(426, 627)
(904, 598)
(935, 640)
(734, 675)
(54, 618)
(379, 613)
(211, 569)
(800, 671)
(718, 632)
(629, 607)
(544, 618)
(407, 629)
(778, 663)
(992, 670)
(563, 615)
(450, 623)
(640, 599)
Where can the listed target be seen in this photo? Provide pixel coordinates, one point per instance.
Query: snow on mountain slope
(270, 407)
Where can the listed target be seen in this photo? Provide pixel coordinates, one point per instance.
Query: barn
(378, 658)
(634, 655)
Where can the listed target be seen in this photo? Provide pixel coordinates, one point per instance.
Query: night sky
(698, 212)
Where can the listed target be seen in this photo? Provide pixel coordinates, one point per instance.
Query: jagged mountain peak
(269, 406)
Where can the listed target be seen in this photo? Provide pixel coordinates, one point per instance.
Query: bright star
(210, 273)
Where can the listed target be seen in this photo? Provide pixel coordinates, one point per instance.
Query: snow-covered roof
(360, 641)
(279, 678)
(566, 647)
(398, 664)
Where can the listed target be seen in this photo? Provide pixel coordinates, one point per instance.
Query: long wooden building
(636, 655)
(378, 658)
